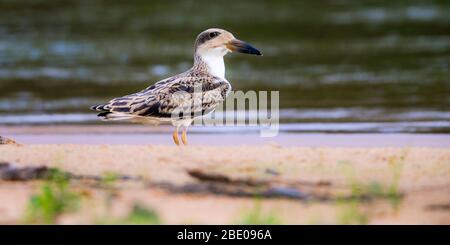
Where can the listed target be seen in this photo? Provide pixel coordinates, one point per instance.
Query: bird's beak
(242, 47)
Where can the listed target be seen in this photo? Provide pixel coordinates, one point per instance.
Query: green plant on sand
(256, 216)
(139, 215)
(351, 209)
(53, 199)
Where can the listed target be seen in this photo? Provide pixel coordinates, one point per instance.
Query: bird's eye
(213, 34)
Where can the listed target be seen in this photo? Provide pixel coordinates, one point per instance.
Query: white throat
(215, 63)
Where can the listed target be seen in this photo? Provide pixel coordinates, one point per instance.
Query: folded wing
(177, 97)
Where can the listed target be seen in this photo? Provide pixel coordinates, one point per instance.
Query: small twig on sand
(13, 173)
(7, 141)
(222, 184)
(220, 178)
(233, 191)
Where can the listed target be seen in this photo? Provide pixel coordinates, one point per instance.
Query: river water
(345, 66)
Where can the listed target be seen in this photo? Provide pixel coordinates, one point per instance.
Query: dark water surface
(351, 64)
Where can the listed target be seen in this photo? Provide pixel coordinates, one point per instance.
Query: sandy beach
(328, 181)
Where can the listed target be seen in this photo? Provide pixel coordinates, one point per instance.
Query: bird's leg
(175, 136)
(184, 136)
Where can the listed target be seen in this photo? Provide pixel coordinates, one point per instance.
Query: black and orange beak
(242, 47)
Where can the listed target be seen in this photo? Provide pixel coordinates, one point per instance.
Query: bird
(181, 98)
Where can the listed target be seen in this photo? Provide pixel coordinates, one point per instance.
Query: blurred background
(348, 66)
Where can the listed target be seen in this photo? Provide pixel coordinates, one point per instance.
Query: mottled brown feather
(196, 91)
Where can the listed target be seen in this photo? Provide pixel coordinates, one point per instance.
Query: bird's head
(219, 42)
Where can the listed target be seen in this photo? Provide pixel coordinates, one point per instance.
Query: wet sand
(161, 135)
(316, 165)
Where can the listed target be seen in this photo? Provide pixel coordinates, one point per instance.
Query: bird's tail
(107, 115)
(100, 107)
(114, 116)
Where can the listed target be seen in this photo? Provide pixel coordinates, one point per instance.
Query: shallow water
(338, 63)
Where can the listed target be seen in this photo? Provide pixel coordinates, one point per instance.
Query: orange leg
(184, 136)
(175, 136)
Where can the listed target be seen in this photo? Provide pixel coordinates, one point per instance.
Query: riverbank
(237, 184)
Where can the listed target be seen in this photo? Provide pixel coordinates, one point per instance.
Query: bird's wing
(179, 97)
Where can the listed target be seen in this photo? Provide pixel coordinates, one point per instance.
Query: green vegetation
(350, 213)
(141, 215)
(53, 199)
(393, 192)
(107, 182)
(109, 178)
(138, 215)
(351, 210)
(256, 216)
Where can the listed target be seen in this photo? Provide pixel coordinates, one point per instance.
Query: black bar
(127, 234)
